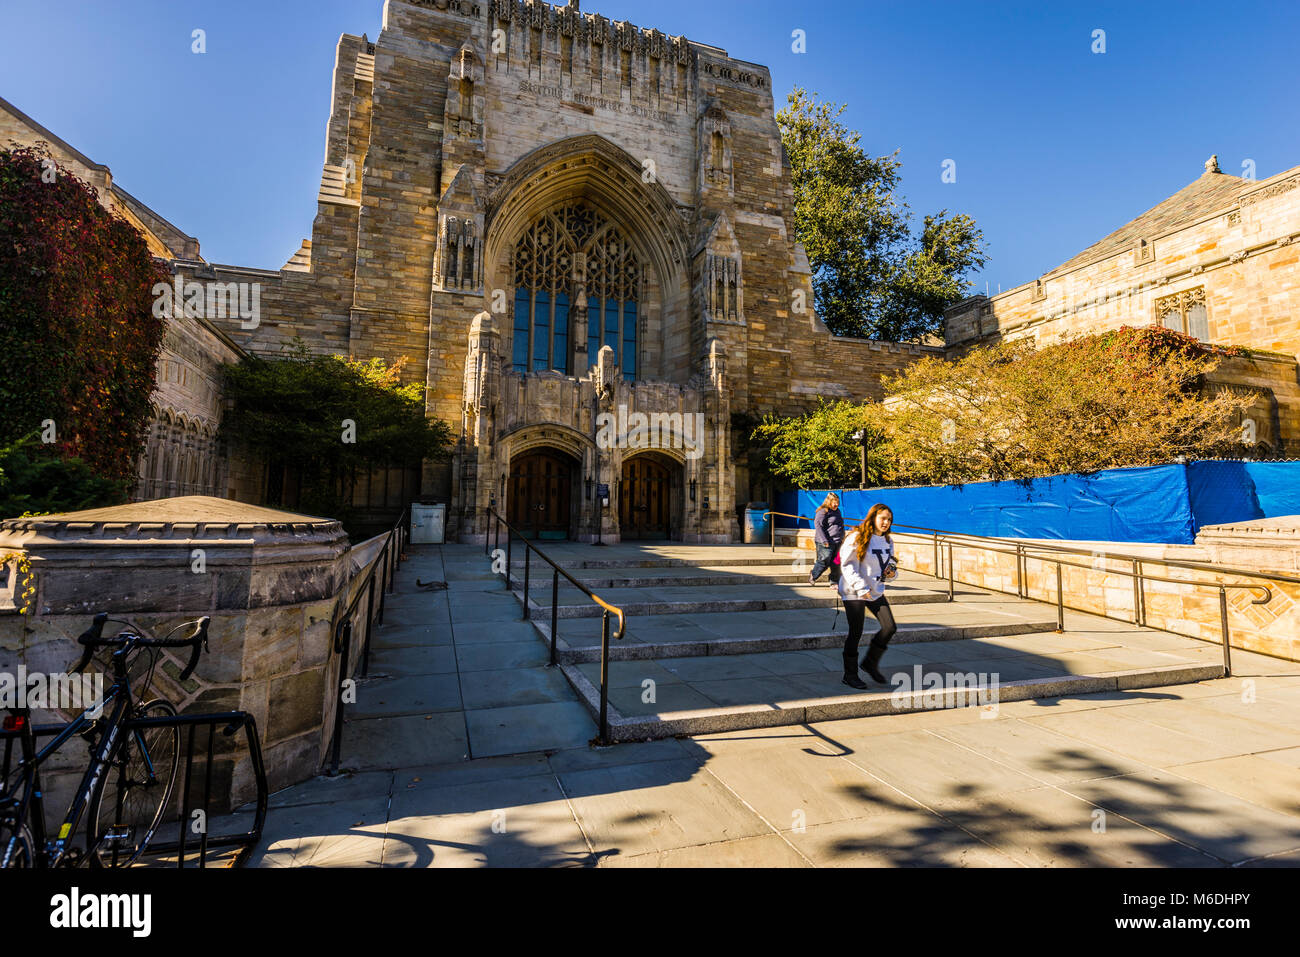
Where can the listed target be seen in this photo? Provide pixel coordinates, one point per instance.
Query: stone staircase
(723, 638)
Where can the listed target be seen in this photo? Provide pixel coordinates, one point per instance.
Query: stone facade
(1220, 259)
(483, 158)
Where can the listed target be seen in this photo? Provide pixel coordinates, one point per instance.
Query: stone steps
(741, 632)
(688, 600)
(737, 640)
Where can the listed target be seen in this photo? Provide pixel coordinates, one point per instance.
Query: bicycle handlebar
(92, 638)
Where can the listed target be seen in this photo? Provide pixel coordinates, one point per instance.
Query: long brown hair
(826, 502)
(868, 528)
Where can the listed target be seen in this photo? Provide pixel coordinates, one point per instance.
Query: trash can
(428, 524)
(758, 527)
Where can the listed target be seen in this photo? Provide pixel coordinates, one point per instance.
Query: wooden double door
(645, 499)
(540, 484)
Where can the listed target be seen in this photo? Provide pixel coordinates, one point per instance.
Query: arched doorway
(539, 504)
(645, 498)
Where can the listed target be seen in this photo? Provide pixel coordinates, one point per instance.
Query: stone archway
(574, 222)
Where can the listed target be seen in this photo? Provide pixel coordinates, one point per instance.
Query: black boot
(851, 672)
(871, 663)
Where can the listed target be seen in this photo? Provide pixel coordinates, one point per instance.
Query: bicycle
(125, 789)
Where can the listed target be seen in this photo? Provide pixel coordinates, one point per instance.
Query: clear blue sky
(1054, 145)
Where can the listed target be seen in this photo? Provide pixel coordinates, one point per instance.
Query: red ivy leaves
(79, 342)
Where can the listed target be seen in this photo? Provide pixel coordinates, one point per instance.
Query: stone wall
(273, 583)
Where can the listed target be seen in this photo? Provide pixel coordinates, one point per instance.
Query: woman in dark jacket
(828, 534)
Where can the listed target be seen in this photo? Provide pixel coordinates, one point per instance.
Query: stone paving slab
(938, 787)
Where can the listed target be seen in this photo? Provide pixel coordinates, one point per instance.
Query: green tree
(328, 418)
(872, 278)
(819, 449)
(36, 480)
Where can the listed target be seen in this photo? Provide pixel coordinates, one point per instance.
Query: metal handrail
(1023, 551)
(557, 571)
(387, 565)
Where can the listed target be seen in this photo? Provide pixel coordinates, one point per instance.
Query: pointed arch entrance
(649, 493)
(541, 494)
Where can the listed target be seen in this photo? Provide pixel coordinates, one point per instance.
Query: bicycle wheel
(133, 791)
(15, 846)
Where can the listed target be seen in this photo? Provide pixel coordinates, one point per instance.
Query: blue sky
(1054, 145)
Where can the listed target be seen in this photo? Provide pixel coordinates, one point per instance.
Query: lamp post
(861, 437)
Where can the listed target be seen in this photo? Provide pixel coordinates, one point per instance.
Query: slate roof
(1211, 191)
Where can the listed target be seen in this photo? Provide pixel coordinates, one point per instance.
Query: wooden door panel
(539, 494)
(644, 497)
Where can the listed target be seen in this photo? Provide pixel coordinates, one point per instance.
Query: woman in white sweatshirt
(866, 564)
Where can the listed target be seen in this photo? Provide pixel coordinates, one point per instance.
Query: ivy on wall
(79, 342)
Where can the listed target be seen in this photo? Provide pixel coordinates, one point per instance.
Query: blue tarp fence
(1158, 504)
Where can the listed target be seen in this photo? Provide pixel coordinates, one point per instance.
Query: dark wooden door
(643, 501)
(539, 494)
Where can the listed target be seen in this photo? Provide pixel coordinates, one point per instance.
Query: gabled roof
(1212, 190)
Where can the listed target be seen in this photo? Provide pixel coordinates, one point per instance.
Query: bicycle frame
(47, 852)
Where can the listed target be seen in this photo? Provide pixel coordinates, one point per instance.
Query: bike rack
(184, 849)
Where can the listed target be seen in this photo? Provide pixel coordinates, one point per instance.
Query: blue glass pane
(520, 348)
(629, 340)
(541, 331)
(560, 355)
(593, 330)
(611, 326)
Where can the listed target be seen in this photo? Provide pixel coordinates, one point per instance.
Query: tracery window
(1185, 312)
(547, 284)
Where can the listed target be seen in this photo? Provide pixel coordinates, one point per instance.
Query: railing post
(935, 536)
(496, 525)
(951, 578)
(1137, 595)
(509, 543)
(604, 679)
(383, 568)
(772, 518)
(555, 610)
(392, 562)
(370, 615)
(1060, 601)
(336, 747)
(1142, 595)
(528, 554)
(1019, 578)
(1223, 627)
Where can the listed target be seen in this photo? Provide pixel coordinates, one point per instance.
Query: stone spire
(1212, 164)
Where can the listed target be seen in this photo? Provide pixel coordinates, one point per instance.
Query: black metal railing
(943, 540)
(379, 578)
(184, 847)
(492, 542)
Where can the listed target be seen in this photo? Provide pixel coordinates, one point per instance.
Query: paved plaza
(465, 749)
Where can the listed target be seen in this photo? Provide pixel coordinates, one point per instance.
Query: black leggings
(855, 610)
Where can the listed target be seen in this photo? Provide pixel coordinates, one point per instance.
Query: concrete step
(742, 632)
(694, 600)
(666, 575)
(668, 696)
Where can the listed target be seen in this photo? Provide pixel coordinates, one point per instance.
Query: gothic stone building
(565, 224)
(1218, 260)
